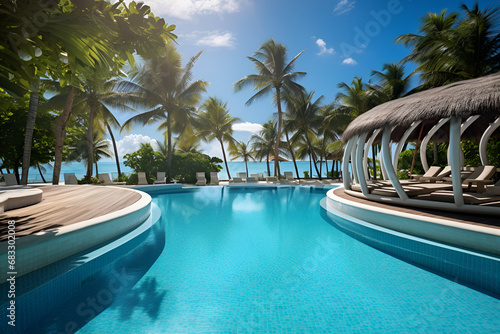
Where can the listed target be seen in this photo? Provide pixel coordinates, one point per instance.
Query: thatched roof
(463, 99)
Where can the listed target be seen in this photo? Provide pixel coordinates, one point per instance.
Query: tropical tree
(392, 81)
(263, 143)
(453, 47)
(100, 149)
(166, 89)
(274, 76)
(213, 121)
(302, 119)
(242, 150)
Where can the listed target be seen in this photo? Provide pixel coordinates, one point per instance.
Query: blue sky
(342, 39)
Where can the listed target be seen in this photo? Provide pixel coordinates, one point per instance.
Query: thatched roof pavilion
(468, 109)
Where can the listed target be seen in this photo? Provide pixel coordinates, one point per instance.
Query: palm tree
(213, 121)
(166, 88)
(242, 150)
(451, 49)
(274, 74)
(392, 81)
(302, 119)
(263, 143)
(100, 149)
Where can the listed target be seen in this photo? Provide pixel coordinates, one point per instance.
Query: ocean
(234, 167)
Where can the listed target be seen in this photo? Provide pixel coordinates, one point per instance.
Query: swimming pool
(267, 260)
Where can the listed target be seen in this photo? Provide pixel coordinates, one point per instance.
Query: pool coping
(40, 249)
(473, 237)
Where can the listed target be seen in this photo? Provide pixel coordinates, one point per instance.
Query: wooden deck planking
(66, 205)
(488, 221)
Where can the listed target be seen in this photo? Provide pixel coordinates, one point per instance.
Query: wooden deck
(488, 221)
(66, 205)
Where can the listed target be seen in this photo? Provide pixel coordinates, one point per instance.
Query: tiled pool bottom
(265, 261)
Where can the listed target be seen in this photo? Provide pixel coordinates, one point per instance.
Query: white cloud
(322, 48)
(187, 9)
(132, 142)
(215, 39)
(349, 61)
(343, 7)
(248, 127)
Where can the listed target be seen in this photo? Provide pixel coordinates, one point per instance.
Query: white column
(353, 161)
(425, 141)
(463, 127)
(484, 141)
(346, 175)
(455, 165)
(368, 144)
(359, 162)
(386, 162)
(402, 142)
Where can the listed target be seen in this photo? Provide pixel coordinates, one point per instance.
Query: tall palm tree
(274, 75)
(213, 121)
(263, 143)
(302, 119)
(452, 47)
(166, 89)
(100, 149)
(242, 150)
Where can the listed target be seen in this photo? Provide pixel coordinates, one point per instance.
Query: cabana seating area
(466, 110)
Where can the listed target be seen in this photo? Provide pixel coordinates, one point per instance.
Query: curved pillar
(386, 162)
(455, 155)
(402, 142)
(361, 170)
(425, 141)
(354, 165)
(368, 144)
(484, 141)
(346, 175)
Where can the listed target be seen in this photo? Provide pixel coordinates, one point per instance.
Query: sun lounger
(10, 179)
(480, 177)
(160, 178)
(251, 179)
(242, 176)
(271, 179)
(201, 179)
(439, 177)
(256, 176)
(70, 178)
(433, 171)
(214, 178)
(106, 180)
(237, 180)
(141, 178)
(411, 190)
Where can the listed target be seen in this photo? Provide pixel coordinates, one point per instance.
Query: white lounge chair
(439, 177)
(433, 171)
(201, 179)
(214, 178)
(10, 179)
(242, 176)
(141, 178)
(70, 178)
(256, 176)
(237, 180)
(106, 180)
(480, 177)
(160, 178)
(252, 179)
(289, 177)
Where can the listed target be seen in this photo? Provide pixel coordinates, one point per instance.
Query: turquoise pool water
(267, 261)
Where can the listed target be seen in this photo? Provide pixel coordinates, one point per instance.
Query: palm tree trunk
(169, 149)
(292, 154)
(246, 167)
(312, 156)
(374, 156)
(278, 135)
(30, 127)
(268, 168)
(41, 174)
(310, 165)
(97, 170)
(416, 147)
(435, 151)
(90, 142)
(61, 134)
(115, 149)
(225, 159)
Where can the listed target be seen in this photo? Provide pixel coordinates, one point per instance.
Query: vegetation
(80, 54)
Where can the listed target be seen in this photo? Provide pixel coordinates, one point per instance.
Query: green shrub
(306, 174)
